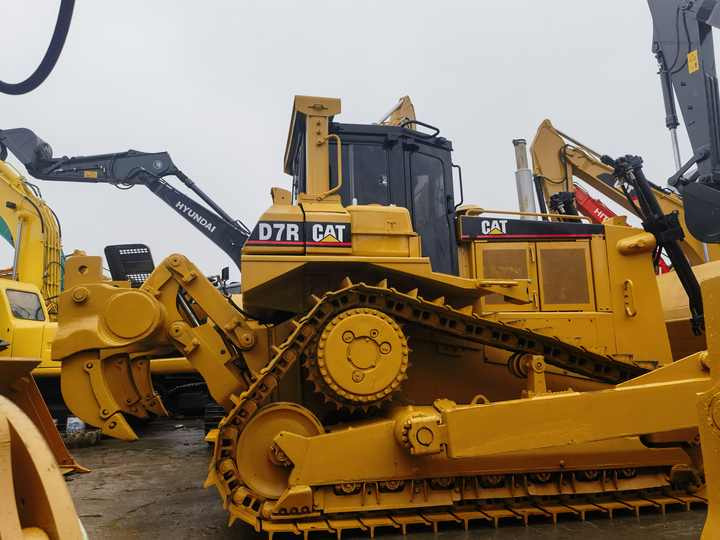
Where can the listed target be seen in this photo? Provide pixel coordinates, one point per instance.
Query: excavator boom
(33, 230)
(560, 162)
(128, 169)
(683, 46)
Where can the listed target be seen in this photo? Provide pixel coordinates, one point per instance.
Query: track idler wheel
(362, 358)
(262, 466)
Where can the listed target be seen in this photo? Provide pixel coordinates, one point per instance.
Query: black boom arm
(125, 170)
(683, 46)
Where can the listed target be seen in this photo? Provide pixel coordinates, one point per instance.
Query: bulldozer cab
(391, 165)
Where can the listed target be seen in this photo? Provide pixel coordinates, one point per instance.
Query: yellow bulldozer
(398, 358)
(370, 365)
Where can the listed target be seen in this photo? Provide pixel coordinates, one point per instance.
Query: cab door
(428, 176)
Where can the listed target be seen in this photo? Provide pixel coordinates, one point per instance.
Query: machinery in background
(32, 229)
(36, 501)
(379, 325)
(402, 114)
(125, 170)
(560, 161)
(33, 457)
(683, 46)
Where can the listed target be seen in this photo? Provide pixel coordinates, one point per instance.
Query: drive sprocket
(361, 359)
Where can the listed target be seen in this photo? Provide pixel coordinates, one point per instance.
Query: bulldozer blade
(29, 473)
(709, 420)
(94, 398)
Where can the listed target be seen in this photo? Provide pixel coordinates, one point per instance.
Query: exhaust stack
(524, 179)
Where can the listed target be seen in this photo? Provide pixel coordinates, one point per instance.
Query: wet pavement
(152, 489)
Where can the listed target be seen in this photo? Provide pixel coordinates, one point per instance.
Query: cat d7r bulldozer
(397, 359)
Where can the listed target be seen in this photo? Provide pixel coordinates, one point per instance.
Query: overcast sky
(213, 82)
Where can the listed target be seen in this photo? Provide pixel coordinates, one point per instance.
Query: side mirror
(225, 273)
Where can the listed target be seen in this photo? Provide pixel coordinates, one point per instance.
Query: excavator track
(399, 503)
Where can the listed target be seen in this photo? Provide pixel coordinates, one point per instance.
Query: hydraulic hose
(51, 55)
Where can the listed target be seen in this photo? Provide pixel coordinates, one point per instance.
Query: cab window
(365, 173)
(25, 305)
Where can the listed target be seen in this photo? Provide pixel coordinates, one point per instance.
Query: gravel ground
(152, 489)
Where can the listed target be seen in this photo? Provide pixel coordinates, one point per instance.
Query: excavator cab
(392, 165)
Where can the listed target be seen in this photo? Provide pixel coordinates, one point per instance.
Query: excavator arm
(559, 160)
(683, 46)
(128, 169)
(33, 230)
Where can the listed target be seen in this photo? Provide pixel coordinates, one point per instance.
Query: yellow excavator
(366, 348)
(560, 161)
(561, 164)
(33, 457)
(31, 227)
(36, 503)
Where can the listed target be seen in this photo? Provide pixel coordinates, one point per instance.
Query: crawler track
(399, 503)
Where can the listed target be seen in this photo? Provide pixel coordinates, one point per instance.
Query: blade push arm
(128, 169)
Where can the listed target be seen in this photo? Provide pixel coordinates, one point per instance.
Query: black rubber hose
(51, 55)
